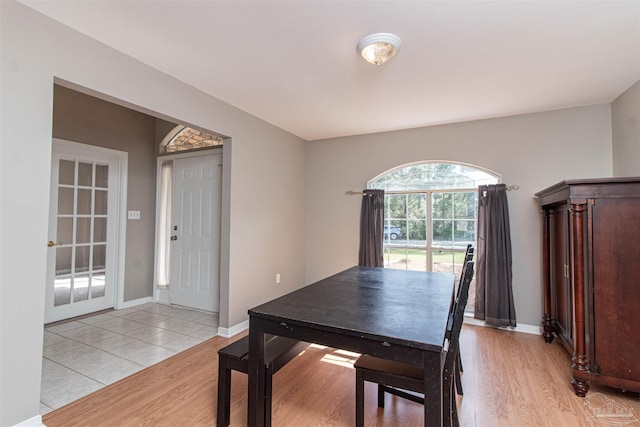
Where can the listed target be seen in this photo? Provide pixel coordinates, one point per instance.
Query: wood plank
(510, 379)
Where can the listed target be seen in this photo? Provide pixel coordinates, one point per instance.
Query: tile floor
(82, 356)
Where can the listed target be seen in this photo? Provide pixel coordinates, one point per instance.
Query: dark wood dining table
(392, 314)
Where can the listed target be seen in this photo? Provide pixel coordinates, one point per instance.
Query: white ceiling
(294, 63)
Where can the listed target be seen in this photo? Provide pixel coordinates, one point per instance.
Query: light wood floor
(510, 379)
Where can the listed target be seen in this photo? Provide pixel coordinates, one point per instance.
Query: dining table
(392, 314)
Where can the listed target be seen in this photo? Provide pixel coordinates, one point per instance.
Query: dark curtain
(371, 223)
(494, 293)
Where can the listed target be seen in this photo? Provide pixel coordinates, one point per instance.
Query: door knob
(174, 237)
(51, 243)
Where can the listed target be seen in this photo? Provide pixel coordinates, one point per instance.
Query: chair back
(458, 316)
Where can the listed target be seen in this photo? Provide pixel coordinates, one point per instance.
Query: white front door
(82, 231)
(195, 234)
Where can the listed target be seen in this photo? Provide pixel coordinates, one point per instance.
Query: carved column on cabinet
(579, 362)
(547, 322)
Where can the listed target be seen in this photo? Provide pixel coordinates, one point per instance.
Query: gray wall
(625, 112)
(81, 118)
(534, 151)
(263, 184)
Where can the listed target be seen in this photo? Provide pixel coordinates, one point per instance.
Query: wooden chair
(468, 256)
(278, 351)
(398, 378)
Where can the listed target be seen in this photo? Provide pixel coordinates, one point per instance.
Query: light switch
(133, 214)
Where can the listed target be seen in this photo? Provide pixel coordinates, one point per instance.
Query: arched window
(183, 138)
(431, 213)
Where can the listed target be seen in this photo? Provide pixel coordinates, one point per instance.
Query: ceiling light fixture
(379, 48)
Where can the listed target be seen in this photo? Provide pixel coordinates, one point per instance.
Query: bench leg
(224, 393)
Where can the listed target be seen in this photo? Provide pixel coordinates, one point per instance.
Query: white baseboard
(235, 329)
(31, 422)
(134, 302)
(527, 329)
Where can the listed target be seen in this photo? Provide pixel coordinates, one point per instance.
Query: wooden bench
(278, 351)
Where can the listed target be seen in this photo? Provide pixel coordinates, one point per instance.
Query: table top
(401, 307)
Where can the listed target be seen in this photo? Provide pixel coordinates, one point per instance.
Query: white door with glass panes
(195, 233)
(81, 261)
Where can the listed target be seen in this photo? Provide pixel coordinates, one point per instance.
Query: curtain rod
(354, 193)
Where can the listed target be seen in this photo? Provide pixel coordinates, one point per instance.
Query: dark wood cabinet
(591, 278)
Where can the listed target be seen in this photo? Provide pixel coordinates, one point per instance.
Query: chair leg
(459, 359)
(224, 394)
(457, 370)
(380, 396)
(454, 411)
(359, 399)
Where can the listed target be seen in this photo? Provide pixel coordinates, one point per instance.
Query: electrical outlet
(277, 278)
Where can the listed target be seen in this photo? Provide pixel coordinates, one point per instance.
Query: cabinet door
(616, 291)
(563, 293)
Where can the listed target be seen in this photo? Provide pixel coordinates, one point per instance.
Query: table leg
(256, 405)
(432, 389)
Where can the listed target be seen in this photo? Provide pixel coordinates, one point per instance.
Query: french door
(81, 261)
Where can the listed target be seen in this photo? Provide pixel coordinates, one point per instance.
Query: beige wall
(625, 117)
(263, 184)
(533, 151)
(82, 118)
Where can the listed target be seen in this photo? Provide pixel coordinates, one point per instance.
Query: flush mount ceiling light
(379, 48)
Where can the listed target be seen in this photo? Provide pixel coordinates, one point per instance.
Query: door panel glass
(65, 201)
(101, 202)
(62, 291)
(100, 230)
(442, 232)
(82, 258)
(97, 285)
(65, 231)
(84, 202)
(99, 257)
(66, 172)
(102, 176)
(85, 174)
(83, 230)
(63, 260)
(80, 288)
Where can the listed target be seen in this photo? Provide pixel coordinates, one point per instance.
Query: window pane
(65, 201)
(102, 176)
(417, 232)
(417, 259)
(444, 261)
(465, 205)
(101, 202)
(465, 231)
(80, 288)
(84, 201)
(397, 207)
(99, 256)
(85, 174)
(66, 172)
(99, 230)
(441, 206)
(83, 230)
(395, 258)
(417, 206)
(82, 258)
(62, 291)
(97, 285)
(63, 261)
(442, 232)
(65, 230)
